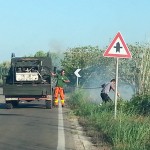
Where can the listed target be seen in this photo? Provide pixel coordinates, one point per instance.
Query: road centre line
(61, 134)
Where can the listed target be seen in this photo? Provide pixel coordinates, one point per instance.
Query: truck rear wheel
(15, 103)
(9, 105)
(48, 104)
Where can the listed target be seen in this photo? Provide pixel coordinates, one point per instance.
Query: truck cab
(28, 79)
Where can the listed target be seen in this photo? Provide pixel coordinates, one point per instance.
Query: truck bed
(27, 89)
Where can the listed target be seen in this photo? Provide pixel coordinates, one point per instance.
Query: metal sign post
(77, 82)
(116, 88)
(117, 49)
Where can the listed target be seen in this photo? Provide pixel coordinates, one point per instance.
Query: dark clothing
(105, 97)
(105, 90)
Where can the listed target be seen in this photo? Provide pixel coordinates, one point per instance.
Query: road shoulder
(81, 141)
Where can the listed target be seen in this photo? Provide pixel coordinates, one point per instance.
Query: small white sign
(77, 72)
(31, 76)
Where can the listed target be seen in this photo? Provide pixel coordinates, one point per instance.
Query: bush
(140, 104)
(129, 131)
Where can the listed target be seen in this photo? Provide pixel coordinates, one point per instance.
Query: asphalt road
(32, 127)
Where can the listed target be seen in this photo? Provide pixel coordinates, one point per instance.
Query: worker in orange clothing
(59, 88)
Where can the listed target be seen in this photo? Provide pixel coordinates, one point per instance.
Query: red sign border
(106, 53)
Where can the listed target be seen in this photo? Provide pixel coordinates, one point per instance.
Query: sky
(27, 26)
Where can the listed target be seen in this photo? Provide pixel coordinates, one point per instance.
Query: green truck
(28, 80)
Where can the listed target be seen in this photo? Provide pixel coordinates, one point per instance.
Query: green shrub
(76, 99)
(140, 104)
(129, 131)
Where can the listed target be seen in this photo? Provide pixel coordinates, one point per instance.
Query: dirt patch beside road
(81, 139)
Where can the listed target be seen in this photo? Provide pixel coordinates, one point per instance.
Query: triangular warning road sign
(117, 48)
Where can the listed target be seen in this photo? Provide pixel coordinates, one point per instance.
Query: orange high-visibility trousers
(59, 90)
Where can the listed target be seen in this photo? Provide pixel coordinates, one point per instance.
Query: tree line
(90, 60)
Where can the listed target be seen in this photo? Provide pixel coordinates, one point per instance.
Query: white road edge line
(61, 134)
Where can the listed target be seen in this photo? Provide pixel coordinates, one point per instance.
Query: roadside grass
(130, 131)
